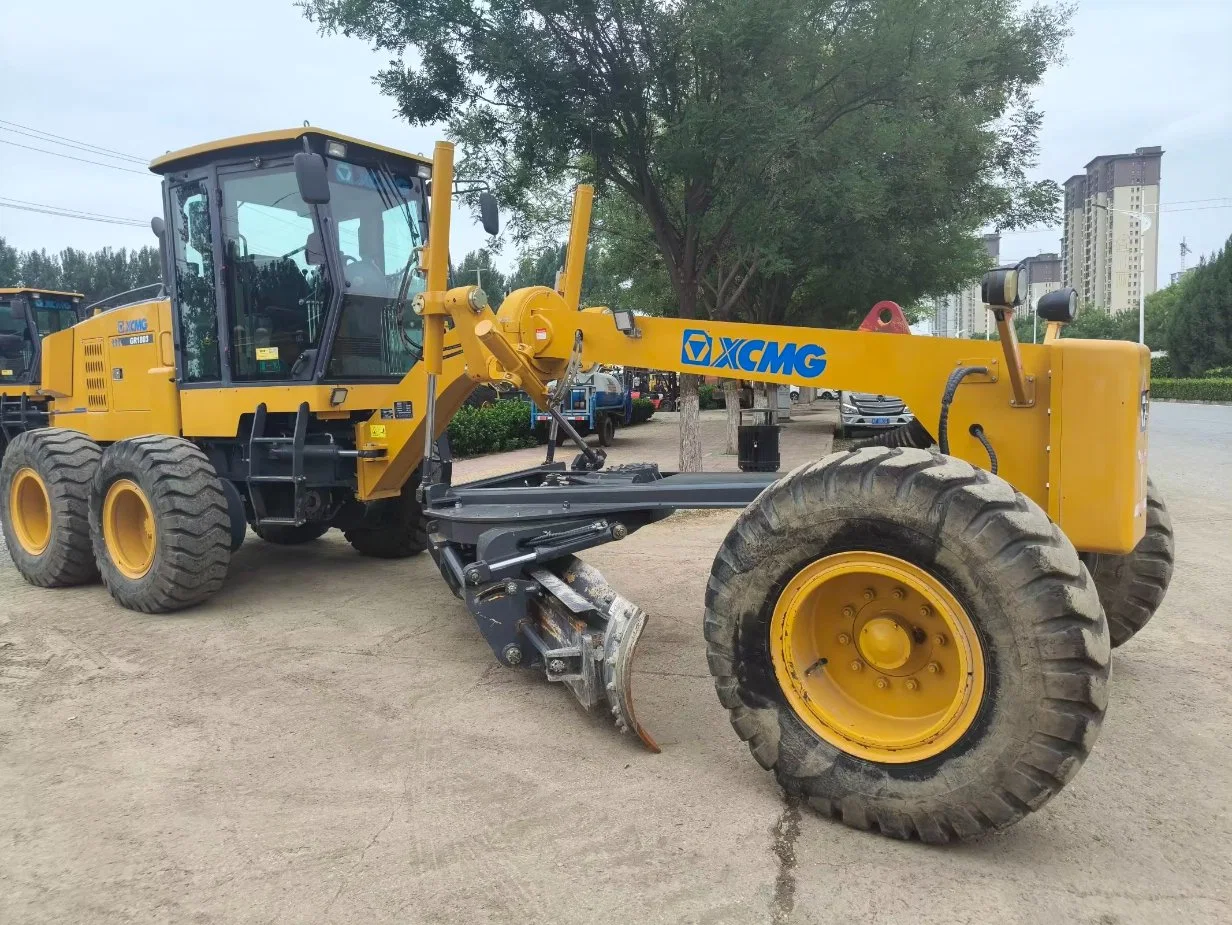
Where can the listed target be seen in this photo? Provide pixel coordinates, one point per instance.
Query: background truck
(596, 403)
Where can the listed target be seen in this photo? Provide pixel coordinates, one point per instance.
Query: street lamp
(1144, 222)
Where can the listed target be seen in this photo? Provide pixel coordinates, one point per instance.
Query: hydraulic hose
(978, 433)
(951, 386)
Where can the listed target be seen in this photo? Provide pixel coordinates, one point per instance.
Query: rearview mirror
(489, 213)
(311, 178)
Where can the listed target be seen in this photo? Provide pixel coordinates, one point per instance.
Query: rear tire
(666, 405)
(47, 474)
(286, 535)
(405, 533)
(159, 524)
(1040, 642)
(607, 430)
(1131, 587)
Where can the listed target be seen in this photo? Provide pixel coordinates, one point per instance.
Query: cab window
(193, 273)
(277, 286)
(16, 343)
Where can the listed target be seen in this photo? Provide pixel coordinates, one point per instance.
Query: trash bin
(757, 441)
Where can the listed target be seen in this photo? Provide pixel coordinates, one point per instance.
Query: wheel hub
(30, 511)
(877, 657)
(884, 644)
(128, 528)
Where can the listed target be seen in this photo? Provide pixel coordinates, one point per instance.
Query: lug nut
(857, 665)
(926, 611)
(869, 594)
(940, 640)
(619, 531)
(882, 683)
(911, 684)
(934, 668)
(843, 639)
(899, 594)
(849, 611)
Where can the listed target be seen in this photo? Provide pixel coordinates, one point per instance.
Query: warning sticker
(132, 340)
(376, 431)
(402, 411)
(6, 372)
(387, 414)
(541, 333)
(267, 353)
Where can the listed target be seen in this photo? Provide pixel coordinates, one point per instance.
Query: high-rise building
(1111, 236)
(962, 314)
(1042, 275)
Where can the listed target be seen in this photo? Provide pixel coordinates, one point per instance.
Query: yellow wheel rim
(128, 528)
(877, 657)
(30, 511)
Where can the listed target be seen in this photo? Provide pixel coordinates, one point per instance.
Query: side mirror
(311, 178)
(1059, 305)
(159, 227)
(489, 213)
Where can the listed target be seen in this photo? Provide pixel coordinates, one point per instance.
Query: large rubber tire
(192, 528)
(1040, 628)
(405, 533)
(286, 535)
(65, 461)
(1132, 587)
(666, 405)
(607, 430)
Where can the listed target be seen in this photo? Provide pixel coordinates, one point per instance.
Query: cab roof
(35, 290)
(242, 144)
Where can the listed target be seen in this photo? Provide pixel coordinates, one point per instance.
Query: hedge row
(505, 425)
(1192, 389)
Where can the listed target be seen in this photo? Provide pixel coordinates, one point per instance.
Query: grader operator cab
(27, 315)
(909, 638)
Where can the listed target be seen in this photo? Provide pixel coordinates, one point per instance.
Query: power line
(48, 205)
(58, 213)
(4, 141)
(98, 149)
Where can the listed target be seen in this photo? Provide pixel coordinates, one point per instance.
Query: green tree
(477, 269)
(703, 113)
(96, 275)
(10, 263)
(1199, 332)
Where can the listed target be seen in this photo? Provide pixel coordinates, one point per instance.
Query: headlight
(848, 408)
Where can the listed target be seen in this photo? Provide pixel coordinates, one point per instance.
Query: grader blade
(588, 635)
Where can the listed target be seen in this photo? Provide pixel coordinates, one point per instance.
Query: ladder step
(287, 479)
(281, 521)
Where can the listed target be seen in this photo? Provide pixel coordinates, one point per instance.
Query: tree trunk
(690, 425)
(731, 399)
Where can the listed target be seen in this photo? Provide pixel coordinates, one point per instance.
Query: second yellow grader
(913, 640)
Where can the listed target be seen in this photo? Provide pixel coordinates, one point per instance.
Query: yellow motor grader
(27, 315)
(914, 640)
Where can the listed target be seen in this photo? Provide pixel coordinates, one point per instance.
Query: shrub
(709, 397)
(1161, 367)
(1193, 389)
(504, 425)
(643, 409)
(1219, 372)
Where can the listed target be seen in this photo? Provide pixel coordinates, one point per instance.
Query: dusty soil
(329, 740)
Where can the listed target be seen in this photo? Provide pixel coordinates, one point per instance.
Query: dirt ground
(330, 740)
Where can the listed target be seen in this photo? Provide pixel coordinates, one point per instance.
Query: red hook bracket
(886, 318)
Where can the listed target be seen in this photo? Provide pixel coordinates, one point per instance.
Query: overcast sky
(144, 77)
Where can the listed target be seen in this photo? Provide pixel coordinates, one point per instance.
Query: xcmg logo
(130, 327)
(752, 355)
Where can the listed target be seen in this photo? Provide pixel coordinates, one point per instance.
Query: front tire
(403, 532)
(45, 506)
(159, 524)
(957, 652)
(1131, 587)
